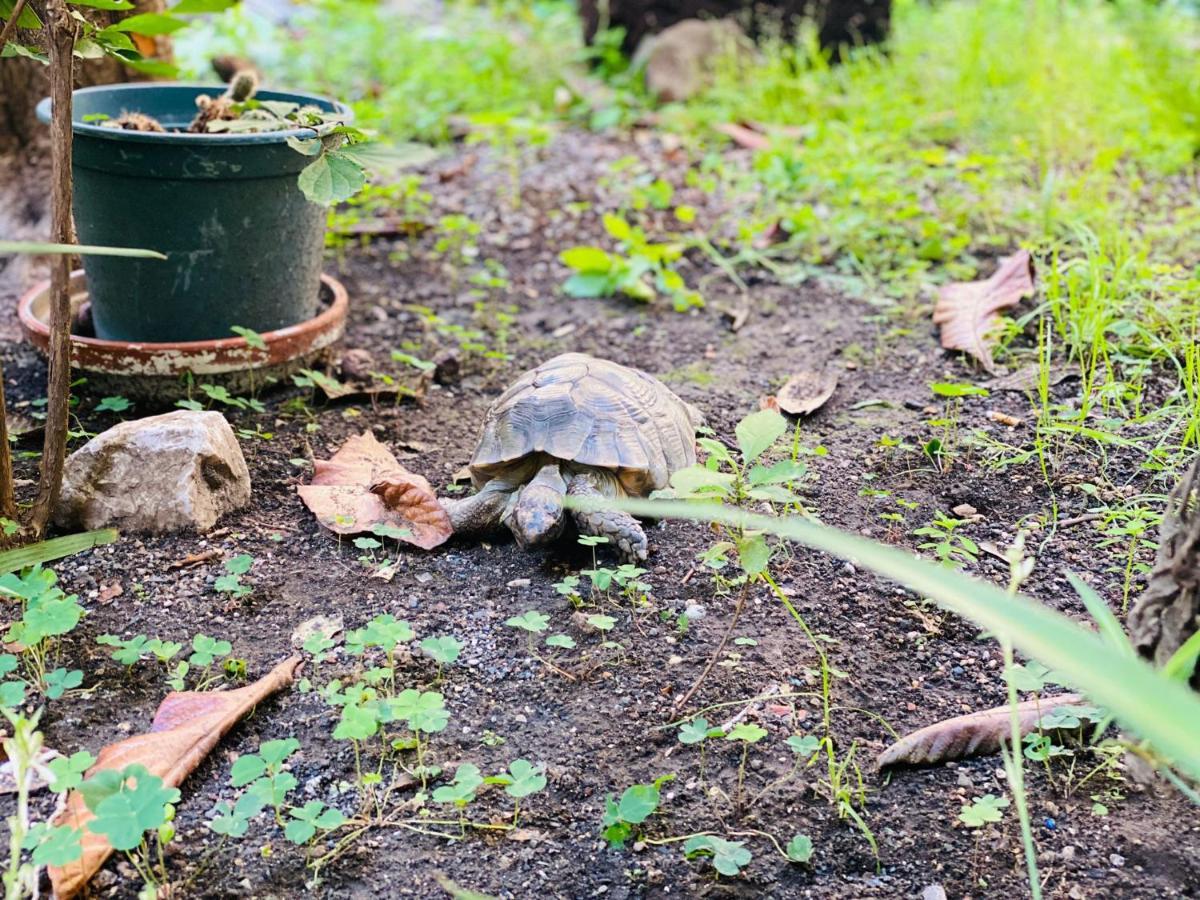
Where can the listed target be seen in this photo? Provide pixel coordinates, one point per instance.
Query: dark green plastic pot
(243, 244)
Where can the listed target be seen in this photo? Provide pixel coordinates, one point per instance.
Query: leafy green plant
(231, 582)
(728, 857)
(983, 811)
(638, 269)
(46, 615)
(622, 817)
(950, 547)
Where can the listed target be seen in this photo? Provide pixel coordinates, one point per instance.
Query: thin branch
(8, 503)
(712, 660)
(10, 27)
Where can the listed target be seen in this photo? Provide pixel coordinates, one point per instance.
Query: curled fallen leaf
(363, 486)
(1003, 418)
(967, 311)
(975, 734)
(185, 730)
(329, 626)
(806, 392)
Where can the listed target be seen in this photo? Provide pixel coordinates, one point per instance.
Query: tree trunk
(840, 23)
(60, 28)
(1167, 613)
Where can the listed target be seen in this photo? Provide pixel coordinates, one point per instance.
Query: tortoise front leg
(481, 512)
(622, 529)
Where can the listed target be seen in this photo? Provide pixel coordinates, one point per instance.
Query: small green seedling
(799, 849)
(637, 804)
(983, 811)
(231, 582)
(728, 857)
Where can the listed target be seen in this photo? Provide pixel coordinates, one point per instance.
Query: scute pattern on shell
(591, 412)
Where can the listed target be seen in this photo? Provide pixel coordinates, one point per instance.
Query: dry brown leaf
(329, 626)
(1028, 378)
(109, 592)
(363, 485)
(743, 136)
(806, 392)
(975, 734)
(1003, 418)
(194, 559)
(186, 728)
(967, 311)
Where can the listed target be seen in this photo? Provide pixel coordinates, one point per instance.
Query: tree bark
(60, 30)
(1167, 613)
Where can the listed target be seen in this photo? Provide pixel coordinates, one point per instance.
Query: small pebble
(519, 583)
(1117, 860)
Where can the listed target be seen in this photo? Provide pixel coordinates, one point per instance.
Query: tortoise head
(538, 517)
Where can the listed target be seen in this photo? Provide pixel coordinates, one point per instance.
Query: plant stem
(8, 503)
(60, 30)
(712, 660)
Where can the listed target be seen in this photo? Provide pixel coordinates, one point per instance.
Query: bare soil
(899, 659)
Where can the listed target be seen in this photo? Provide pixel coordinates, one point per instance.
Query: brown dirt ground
(901, 660)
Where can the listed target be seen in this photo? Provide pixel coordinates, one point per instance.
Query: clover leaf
(442, 650)
(728, 857)
(799, 848)
(531, 620)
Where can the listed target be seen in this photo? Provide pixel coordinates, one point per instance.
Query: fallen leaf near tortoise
(109, 592)
(744, 137)
(1028, 378)
(1003, 418)
(967, 312)
(976, 734)
(329, 626)
(194, 559)
(363, 486)
(526, 835)
(185, 730)
(806, 392)
(19, 425)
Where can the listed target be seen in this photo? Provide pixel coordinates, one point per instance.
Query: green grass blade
(36, 247)
(56, 548)
(1182, 663)
(1157, 708)
(1106, 623)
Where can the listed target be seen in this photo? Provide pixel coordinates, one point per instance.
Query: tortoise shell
(590, 412)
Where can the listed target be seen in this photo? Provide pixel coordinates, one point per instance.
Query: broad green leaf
(758, 431)
(694, 732)
(331, 178)
(29, 19)
(199, 7)
(149, 24)
(247, 768)
(563, 641)
(617, 227)
(728, 857)
(524, 778)
(12, 49)
(530, 620)
(637, 803)
(444, 650)
(587, 259)
(747, 732)
(753, 553)
(103, 4)
(54, 845)
(983, 810)
(250, 336)
(589, 285)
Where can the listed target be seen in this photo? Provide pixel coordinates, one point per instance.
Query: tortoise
(582, 426)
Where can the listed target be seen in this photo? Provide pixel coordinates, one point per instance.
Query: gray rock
(681, 60)
(174, 472)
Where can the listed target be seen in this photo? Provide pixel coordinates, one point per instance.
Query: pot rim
(38, 332)
(183, 138)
